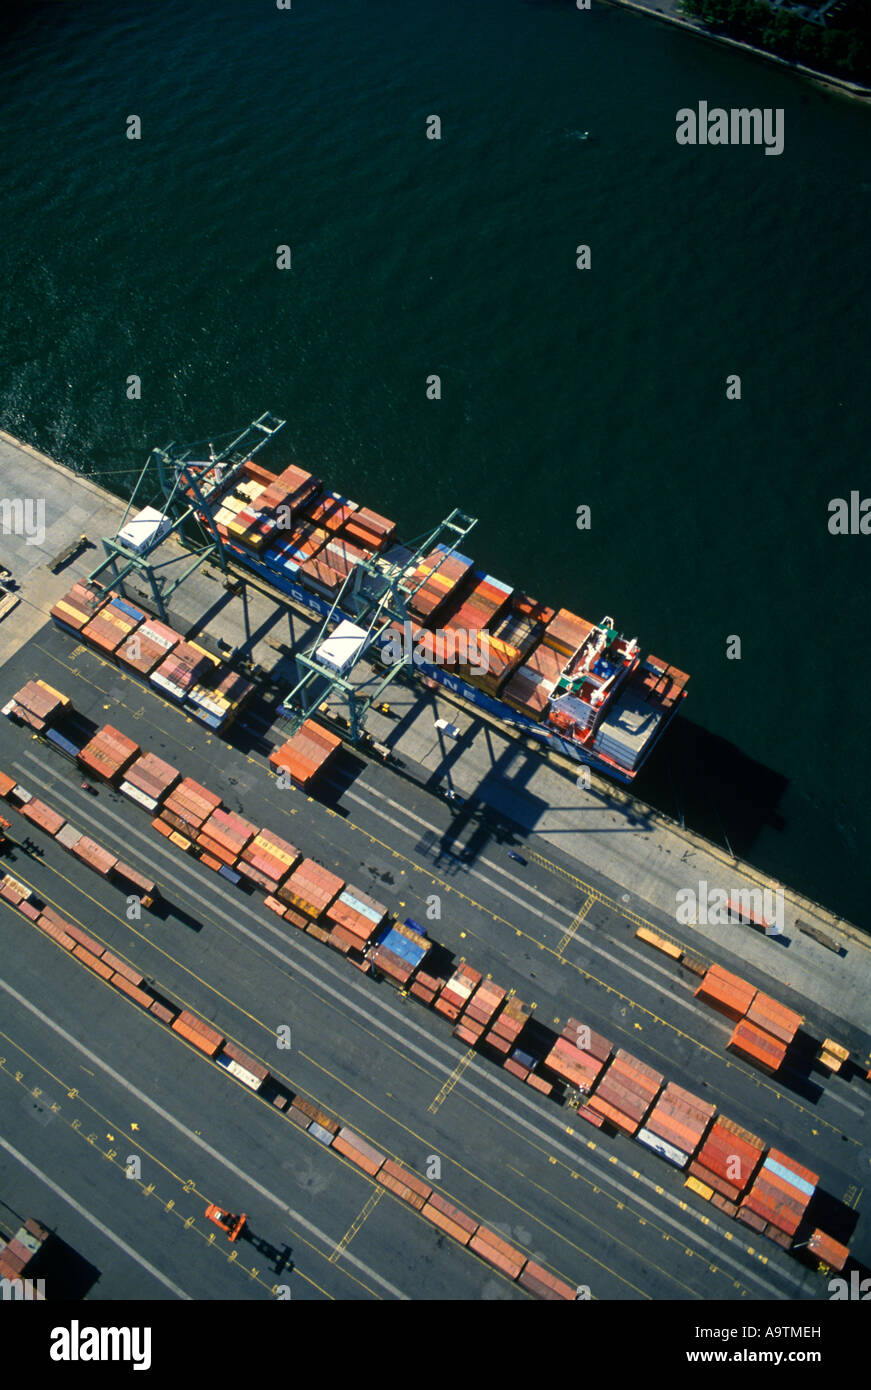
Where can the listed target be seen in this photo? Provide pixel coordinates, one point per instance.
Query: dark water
(560, 387)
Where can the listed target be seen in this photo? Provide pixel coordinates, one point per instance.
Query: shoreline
(856, 90)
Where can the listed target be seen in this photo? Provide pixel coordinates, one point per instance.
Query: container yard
(625, 1105)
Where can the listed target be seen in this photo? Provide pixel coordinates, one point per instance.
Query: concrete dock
(559, 930)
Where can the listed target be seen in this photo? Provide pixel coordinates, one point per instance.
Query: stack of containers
(456, 991)
(775, 1018)
(311, 888)
(478, 1013)
(238, 1063)
(131, 881)
(566, 632)
(498, 660)
(578, 1055)
(504, 1034)
(676, 1125)
(17, 1254)
(400, 951)
(267, 860)
(778, 1199)
(301, 487)
(331, 511)
(369, 530)
(76, 609)
(442, 574)
(185, 811)
(112, 625)
(626, 1092)
(183, 668)
(217, 705)
(108, 754)
(306, 754)
(757, 1046)
(148, 647)
(497, 1252)
(195, 1031)
(92, 854)
(148, 780)
(223, 837)
(43, 816)
(829, 1251)
(725, 992)
(358, 914)
(517, 628)
(39, 814)
(426, 987)
(530, 687)
(727, 1161)
(341, 556)
(39, 705)
(483, 604)
(318, 574)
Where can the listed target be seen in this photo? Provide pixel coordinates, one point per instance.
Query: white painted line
(89, 1216)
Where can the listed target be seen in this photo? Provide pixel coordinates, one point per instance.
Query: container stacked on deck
(481, 1006)
(529, 689)
(676, 1125)
(626, 1091)
(76, 609)
(224, 836)
(148, 780)
(217, 705)
(113, 625)
(355, 912)
(149, 645)
(441, 574)
(779, 1197)
(267, 860)
(183, 668)
(331, 511)
(306, 754)
(482, 605)
(400, 951)
(725, 992)
(369, 530)
(311, 888)
(727, 1160)
(108, 754)
(578, 1055)
(456, 991)
(185, 811)
(566, 632)
(39, 705)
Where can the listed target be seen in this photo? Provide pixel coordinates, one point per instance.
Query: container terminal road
(118, 1132)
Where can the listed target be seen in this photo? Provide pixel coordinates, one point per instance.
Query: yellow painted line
(452, 1080)
(564, 942)
(356, 1224)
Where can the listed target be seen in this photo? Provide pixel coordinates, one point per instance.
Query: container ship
(578, 687)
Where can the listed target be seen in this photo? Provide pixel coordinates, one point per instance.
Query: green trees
(844, 51)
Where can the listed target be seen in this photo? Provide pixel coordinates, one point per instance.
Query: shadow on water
(709, 785)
